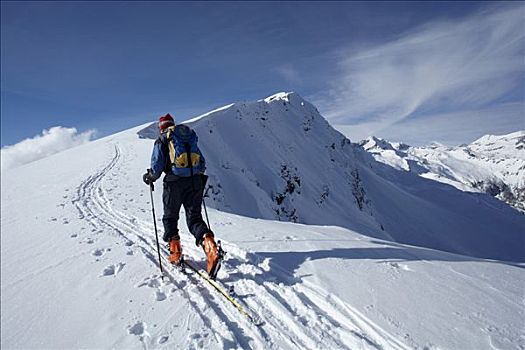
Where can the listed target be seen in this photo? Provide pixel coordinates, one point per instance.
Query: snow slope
(491, 164)
(78, 270)
(279, 159)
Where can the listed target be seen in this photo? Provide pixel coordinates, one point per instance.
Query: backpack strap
(164, 144)
(171, 146)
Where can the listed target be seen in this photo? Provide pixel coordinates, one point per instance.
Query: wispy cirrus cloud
(446, 66)
(455, 128)
(289, 73)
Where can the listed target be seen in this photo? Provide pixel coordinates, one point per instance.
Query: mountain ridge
(278, 158)
(493, 164)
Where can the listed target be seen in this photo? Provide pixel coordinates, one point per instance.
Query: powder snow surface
(79, 268)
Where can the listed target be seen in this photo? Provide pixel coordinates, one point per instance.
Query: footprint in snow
(100, 252)
(160, 296)
(152, 282)
(97, 252)
(138, 329)
(112, 270)
(197, 340)
(162, 339)
(398, 266)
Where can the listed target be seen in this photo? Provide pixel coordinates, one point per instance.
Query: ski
(252, 317)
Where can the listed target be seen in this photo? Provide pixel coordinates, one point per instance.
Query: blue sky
(390, 69)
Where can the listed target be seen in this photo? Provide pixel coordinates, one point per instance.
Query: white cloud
(442, 66)
(51, 141)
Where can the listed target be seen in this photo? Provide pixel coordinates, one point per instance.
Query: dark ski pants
(187, 192)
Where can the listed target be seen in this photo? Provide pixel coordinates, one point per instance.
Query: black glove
(148, 177)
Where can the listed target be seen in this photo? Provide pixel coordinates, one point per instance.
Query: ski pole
(206, 212)
(155, 225)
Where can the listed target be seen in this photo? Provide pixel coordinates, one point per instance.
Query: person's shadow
(283, 265)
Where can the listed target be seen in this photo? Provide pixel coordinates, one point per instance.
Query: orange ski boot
(210, 248)
(176, 252)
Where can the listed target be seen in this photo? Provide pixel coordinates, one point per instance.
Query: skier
(175, 153)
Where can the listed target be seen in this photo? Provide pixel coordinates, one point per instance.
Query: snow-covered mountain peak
(509, 146)
(372, 143)
(279, 96)
(518, 136)
(391, 153)
(283, 105)
(291, 98)
(280, 159)
(492, 164)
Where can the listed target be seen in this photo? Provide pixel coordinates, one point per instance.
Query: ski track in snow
(296, 316)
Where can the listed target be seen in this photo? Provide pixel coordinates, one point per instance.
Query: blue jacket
(160, 161)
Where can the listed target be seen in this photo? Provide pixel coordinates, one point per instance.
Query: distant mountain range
(491, 164)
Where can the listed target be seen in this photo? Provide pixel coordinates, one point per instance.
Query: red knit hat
(165, 122)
